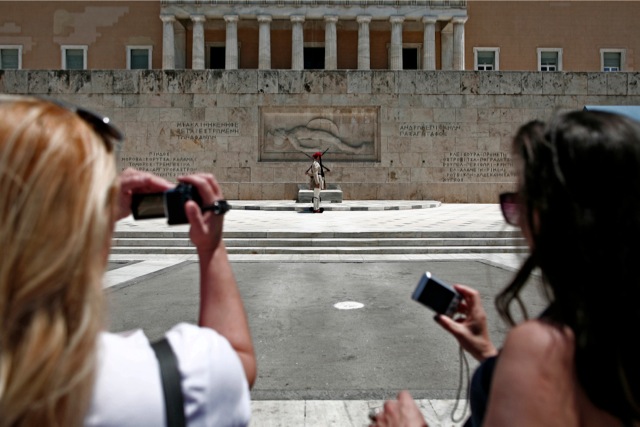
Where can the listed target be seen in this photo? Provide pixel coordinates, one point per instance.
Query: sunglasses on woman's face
(510, 206)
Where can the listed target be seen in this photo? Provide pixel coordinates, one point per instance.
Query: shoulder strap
(171, 384)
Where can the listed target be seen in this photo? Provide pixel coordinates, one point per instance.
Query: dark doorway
(217, 56)
(314, 58)
(410, 58)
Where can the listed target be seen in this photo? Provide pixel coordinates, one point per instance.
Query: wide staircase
(364, 243)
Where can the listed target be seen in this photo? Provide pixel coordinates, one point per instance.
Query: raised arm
(221, 306)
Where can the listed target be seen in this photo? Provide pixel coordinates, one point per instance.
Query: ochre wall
(105, 27)
(581, 28)
(518, 28)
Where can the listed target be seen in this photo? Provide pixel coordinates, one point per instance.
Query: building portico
(337, 28)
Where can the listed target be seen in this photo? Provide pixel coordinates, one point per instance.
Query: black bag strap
(171, 384)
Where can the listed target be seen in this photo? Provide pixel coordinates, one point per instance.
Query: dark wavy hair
(579, 186)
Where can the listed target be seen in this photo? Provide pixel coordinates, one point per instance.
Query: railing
(430, 3)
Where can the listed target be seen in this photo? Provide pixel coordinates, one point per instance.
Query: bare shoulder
(534, 378)
(539, 339)
(538, 353)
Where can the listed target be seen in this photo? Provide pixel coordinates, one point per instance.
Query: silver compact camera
(437, 295)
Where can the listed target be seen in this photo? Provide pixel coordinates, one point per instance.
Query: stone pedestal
(333, 194)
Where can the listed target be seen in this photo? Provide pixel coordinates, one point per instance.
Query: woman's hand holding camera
(206, 227)
(135, 181)
(469, 325)
(206, 222)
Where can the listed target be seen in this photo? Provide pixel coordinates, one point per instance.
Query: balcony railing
(430, 3)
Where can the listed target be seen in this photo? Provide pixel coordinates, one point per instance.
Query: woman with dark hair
(578, 205)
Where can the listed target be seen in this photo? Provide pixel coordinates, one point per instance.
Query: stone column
(330, 43)
(458, 42)
(446, 46)
(197, 62)
(264, 49)
(297, 42)
(180, 42)
(231, 45)
(168, 42)
(364, 47)
(429, 43)
(395, 52)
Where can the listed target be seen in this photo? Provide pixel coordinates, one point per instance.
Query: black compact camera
(436, 295)
(170, 204)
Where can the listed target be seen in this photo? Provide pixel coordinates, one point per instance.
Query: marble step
(380, 250)
(327, 234)
(326, 242)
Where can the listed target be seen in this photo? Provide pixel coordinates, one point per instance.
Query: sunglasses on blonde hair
(101, 125)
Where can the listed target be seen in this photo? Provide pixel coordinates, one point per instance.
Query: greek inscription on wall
(204, 130)
(162, 163)
(474, 166)
(428, 129)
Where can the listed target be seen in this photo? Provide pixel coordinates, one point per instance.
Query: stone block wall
(439, 135)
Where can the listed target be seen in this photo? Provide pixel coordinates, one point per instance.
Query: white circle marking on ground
(348, 305)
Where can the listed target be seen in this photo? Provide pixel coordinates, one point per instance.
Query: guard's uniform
(317, 180)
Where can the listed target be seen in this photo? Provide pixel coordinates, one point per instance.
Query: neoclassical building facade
(553, 35)
(315, 34)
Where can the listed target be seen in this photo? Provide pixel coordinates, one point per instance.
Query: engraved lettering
(471, 166)
(162, 163)
(428, 129)
(204, 130)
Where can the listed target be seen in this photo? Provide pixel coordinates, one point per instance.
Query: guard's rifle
(321, 169)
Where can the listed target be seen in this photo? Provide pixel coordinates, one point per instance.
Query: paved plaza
(335, 334)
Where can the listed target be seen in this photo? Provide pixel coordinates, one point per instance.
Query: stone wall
(390, 134)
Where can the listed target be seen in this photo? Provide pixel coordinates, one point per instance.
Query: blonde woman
(59, 199)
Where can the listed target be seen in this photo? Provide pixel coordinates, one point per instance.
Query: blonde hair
(57, 197)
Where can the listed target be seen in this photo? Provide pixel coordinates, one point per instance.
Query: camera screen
(148, 205)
